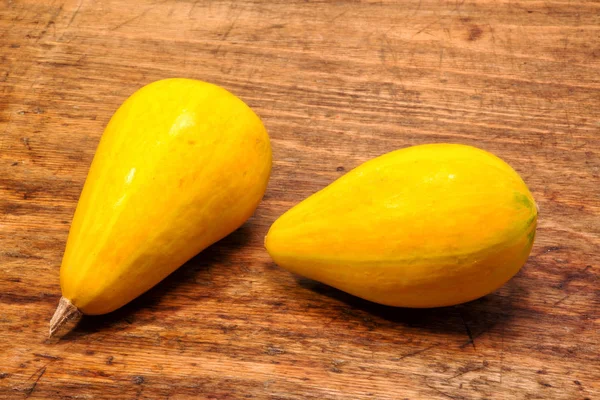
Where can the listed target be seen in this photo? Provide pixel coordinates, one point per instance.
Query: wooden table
(336, 83)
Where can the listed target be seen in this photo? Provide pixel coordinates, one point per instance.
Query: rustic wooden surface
(336, 84)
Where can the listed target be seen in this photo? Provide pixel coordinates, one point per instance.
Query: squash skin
(181, 164)
(425, 226)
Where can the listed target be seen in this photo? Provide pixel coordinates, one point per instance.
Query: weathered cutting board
(336, 84)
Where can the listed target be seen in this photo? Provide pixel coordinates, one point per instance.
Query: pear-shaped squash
(425, 226)
(181, 164)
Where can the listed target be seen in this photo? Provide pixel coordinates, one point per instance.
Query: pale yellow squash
(181, 164)
(425, 226)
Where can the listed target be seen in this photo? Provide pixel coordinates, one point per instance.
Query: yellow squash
(425, 226)
(181, 164)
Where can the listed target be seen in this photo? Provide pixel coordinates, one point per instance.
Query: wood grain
(336, 84)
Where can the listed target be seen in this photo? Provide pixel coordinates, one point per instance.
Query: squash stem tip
(65, 316)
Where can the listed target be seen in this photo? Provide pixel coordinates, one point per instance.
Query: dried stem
(65, 316)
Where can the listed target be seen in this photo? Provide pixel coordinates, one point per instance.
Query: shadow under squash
(472, 318)
(215, 254)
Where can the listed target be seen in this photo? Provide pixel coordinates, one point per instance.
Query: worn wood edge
(65, 318)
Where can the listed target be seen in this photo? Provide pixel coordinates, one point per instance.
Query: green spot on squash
(531, 237)
(530, 220)
(523, 200)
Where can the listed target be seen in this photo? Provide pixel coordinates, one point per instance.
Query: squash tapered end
(65, 316)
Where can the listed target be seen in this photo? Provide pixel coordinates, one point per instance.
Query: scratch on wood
(47, 356)
(466, 372)
(130, 20)
(440, 392)
(427, 27)
(194, 4)
(471, 340)
(226, 34)
(561, 300)
(75, 13)
(339, 15)
(29, 391)
(228, 31)
(414, 353)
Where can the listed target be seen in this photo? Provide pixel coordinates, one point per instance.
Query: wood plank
(336, 83)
